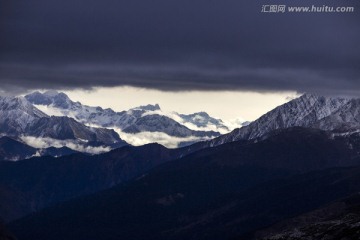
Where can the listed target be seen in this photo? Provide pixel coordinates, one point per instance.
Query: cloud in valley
(142, 138)
(38, 142)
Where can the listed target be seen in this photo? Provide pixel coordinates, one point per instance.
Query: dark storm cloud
(178, 45)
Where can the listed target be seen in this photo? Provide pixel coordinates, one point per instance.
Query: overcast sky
(187, 45)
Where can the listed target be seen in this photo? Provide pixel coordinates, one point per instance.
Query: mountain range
(287, 166)
(338, 115)
(21, 120)
(144, 122)
(217, 193)
(71, 123)
(69, 126)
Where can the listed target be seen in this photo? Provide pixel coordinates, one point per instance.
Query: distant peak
(149, 107)
(56, 98)
(52, 94)
(203, 114)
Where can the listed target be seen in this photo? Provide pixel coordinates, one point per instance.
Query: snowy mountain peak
(16, 113)
(57, 99)
(321, 106)
(203, 114)
(307, 110)
(148, 107)
(11, 103)
(203, 120)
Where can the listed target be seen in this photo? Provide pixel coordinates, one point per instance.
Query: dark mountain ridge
(46, 180)
(42, 181)
(15, 149)
(201, 203)
(337, 220)
(10, 149)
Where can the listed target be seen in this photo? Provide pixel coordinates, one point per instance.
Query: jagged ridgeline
(139, 125)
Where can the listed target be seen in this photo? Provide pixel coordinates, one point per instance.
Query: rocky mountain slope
(16, 114)
(311, 111)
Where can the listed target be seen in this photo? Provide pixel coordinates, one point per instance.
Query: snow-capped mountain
(161, 123)
(16, 114)
(22, 120)
(202, 120)
(64, 128)
(344, 119)
(59, 104)
(325, 113)
(136, 124)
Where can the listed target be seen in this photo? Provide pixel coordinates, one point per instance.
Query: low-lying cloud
(38, 142)
(142, 138)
